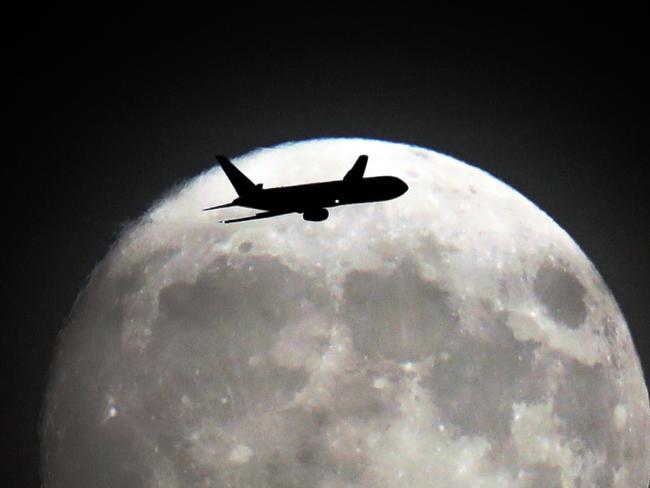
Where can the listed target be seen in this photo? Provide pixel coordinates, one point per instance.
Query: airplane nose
(401, 187)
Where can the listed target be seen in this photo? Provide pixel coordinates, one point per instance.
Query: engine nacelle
(316, 214)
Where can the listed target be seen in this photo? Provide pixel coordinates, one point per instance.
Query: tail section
(238, 179)
(356, 173)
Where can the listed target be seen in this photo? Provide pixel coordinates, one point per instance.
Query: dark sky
(109, 108)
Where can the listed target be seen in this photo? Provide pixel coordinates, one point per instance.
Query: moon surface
(453, 337)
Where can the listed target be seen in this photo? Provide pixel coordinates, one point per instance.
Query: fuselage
(300, 198)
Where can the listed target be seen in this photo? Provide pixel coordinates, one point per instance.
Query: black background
(109, 108)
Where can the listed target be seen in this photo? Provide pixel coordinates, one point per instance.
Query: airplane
(312, 199)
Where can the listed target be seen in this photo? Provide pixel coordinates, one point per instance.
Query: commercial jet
(312, 199)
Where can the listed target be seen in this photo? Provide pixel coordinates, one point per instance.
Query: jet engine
(316, 214)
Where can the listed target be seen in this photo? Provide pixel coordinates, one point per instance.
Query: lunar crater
(562, 295)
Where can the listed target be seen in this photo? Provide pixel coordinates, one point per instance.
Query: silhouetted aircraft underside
(312, 199)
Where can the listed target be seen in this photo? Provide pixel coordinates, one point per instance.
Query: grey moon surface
(453, 337)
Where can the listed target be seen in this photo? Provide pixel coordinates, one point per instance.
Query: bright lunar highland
(453, 337)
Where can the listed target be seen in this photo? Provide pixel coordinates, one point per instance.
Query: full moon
(453, 337)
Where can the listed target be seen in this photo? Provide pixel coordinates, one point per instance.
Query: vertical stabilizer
(356, 173)
(238, 179)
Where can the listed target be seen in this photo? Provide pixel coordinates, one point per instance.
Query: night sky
(109, 109)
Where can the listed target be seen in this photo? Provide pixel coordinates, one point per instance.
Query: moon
(453, 337)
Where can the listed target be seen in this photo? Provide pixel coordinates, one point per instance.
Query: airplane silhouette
(310, 199)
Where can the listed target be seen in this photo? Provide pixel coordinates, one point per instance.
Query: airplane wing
(356, 173)
(261, 215)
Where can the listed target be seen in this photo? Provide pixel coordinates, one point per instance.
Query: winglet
(356, 173)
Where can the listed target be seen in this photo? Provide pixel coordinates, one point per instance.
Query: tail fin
(356, 173)
(238, 179)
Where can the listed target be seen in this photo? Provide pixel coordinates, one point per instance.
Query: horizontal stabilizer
(225, 205)
(356, 173)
